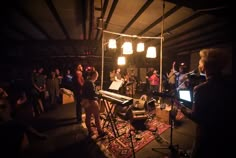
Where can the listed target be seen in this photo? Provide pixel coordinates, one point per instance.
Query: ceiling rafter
(20, 31)
(21, 24)
(202, 34)
(170, 12)
(113, 7)
(84, 6)
(200, 4)
(188, 19)
(53, 10)
(23, 13)
(200, 45)
(91, 10)
(201, 39)
(103, 8)
(196, 28)
(137, 15)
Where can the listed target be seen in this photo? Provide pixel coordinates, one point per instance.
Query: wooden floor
(69, 139)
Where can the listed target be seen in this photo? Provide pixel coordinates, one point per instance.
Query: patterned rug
(121, 146)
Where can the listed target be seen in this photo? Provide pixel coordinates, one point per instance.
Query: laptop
(185, 97)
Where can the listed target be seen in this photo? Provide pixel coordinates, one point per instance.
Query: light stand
(173, 148)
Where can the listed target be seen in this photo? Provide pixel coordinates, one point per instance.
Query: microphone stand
(173, 148)
(132, 144)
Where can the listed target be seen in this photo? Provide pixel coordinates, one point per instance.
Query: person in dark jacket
(91, 104)
(211, 109)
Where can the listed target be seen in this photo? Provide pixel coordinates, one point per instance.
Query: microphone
(192, 72)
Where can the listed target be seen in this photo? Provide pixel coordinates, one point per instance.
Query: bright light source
(140, 47)
(112, 44)
(127, 48)
(151, 52)
(121, 60)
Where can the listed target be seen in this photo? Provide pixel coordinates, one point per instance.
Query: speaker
(138, 119)
(139, 124)
(139, 104)
(138, 115)
(123, 112)
(151, 104)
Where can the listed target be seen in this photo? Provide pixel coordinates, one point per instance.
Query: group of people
(182, 79)
(211, 109)
(16, 130)
(172, 81)
(46, 88)
(127, 81)
(18, 103)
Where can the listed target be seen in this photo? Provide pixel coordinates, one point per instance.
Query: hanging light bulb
(151, 52)
(112, 44)
(121, 60)
(127, 48)
(140, 47)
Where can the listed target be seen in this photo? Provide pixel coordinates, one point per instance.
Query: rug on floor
(121, 146)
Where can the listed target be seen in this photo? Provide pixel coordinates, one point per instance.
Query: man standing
(78, 83)
(181, 78)
(171, 78)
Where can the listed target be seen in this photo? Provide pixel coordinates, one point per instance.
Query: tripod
(173, 148)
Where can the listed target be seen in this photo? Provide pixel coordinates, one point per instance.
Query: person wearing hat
(182, 80)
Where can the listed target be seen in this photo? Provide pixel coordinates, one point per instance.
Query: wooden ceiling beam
(203, 34)
(29, 18)
(189, 31)
(25, 34)
(113, 7)
(199, 44)
(53, 10)
(104, 9)
(137, 15)
(91, 18)
(186, 20)
(170, 12)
